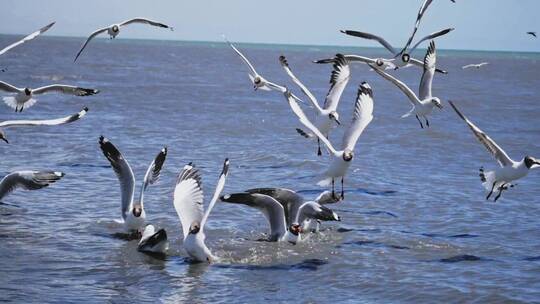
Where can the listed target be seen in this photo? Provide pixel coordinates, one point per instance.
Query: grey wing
(371, 37)
(290, 200)
(363, 114)
(48, 122)
(431, 36)
(29, 180)
(402, 86)
(65, 89)
(430, 61)
(153, 172)
(123, 172)
(338, 81)
(499, 154)
(94, 34)
(312, 210)
(145, 21)
(421, 12)
(4, 86)
(28, 38)
(270, 207)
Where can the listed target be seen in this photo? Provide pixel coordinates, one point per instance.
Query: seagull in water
(24, 96)
(114, 29)
(478, 65)
(424, 103)
(499, 179)
(282, 208)
(50, 122)
(28, 180)
(188, 202)
(341, 159)
(327, 115)
(27, 38)
(400, 60)
(153, 241)
(133, 213)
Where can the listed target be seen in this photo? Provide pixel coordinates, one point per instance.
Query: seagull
(274, 211)
(474, 65)
(532, 34)
(341, 160)
(327, 115)
(49, 122)
(381, 63)
(28, 180)
(423, 103)
(499, 179)
(188, 202)
(133, 213)
(421, 12)
(114, 29)
(153, 241)
(405, 59)
(27, 38)
(24, 96)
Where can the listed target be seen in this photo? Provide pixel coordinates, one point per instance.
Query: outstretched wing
(371, 37)
(94, 34)
(421, 12)
(431, 36)
(153, 172)
(363, 114)
(287, 68)
(29, 180)
(402, 86)
(188, 198)
(145, 21)
(123, 172)
(219, 188)
(429, 71)
(65, 89)
(499, 154)
(338, 81)
(4, 86)
(49, 122)
(27, 38)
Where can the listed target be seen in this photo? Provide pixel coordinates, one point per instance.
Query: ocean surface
(415, 225)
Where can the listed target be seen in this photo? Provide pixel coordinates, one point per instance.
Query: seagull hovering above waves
(532, 34)
(341, 159)
(49, 122)
(274, 212)
(188, 202)
(133, 213)
(24, 97)
(327, 115)
(479, 65)
(28, 180)
(152, 241)
(421, 12)
(424, 103)
(501, 178)
(27, 38)
(114, 29)
(404, 60)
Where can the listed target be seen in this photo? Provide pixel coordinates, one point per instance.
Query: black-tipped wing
(29, 180)
(430, 61)
(49, 122)
(65, 89)
(94, 34)
(431, 36)
(123, 171)
(363, 114)
(219, 187)
(290, 200)
(338, 81)
(145, 21)
(421, 12)
(153, 172)
(306, 91)
(371, 37)
(489, 143)
(402, 86)
(28, 38)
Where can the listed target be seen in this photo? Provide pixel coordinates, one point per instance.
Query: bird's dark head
(295, 229)
(348, 155)
(531, 162)
(334, 116)
(27, 91)
(137, 211)
(194, 228)
(379, 62)
(115, 28)
(437, 102)
(405, 57)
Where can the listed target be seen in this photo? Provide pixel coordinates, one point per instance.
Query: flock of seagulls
(290, 216)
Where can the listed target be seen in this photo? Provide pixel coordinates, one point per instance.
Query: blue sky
(480, 24)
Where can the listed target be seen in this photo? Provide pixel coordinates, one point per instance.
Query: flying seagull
(133, 213)
(114, 29)
(400, 60)
(28, 180)
(327, 115)
(24, 97)
(341, 159)
(474, 65)
(501, 178)
(49, 122)
(424, 103)
(421, 12)
(532, 34)
(27, 38)
(188, 202)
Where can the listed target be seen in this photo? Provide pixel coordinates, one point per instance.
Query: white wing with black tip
(306, 91)
(65, 89)
(189, 197)
(431, 36)
(402, 86)
(341, 74)
(123, 171)
(217, 192)
(499, 154)
(145, 21)
(153, 172)
(49, 122)
(28, 180)
(421, 12)
(371, 37)
(430, 61)
(363, 114)
(28, 38)
(94, 34)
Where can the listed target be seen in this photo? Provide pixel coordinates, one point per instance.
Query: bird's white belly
(508, 174)
(22, 98)
(134, 223)
(338, 167)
